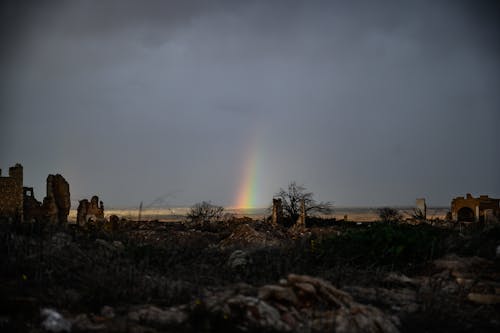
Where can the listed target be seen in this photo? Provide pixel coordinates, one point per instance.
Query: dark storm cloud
(363, 102)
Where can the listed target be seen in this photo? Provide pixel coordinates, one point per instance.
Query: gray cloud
(364, 103)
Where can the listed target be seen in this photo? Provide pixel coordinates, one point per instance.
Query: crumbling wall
(470, 208)
(32, 208)
(277, 217)
(90, 211)
(19, 203)
(11, 194)
(300, 224)
(422, 207)
(301, 221)
(58, 201)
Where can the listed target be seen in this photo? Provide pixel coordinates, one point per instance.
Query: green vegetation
(387, 245)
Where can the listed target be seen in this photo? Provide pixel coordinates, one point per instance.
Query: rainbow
(248, 191)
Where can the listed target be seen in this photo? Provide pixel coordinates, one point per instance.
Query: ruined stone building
(18, 203)
(470, 209)
(11, 194)
(57, 201)
(32, 208)
(277, 216)
(421, 207)
(92, 211)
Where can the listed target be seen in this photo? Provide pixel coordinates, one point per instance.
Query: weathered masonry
(421, 207)
(470, 209)
(11, 194)
(92, 211)
(18, 203)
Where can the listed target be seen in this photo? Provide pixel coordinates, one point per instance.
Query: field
(246, 275)
(356, 214)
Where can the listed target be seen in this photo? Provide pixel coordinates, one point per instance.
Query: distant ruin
(301, 221)
(57, 201)
(11, 194)
(18, 203)
(92, 211)
(421, 208)
(277, 217)
(470, 209)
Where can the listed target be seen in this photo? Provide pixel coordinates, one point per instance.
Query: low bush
(384, 244)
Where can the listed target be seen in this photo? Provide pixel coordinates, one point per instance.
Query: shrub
(205, 212)
(401, 246)
(389, 215)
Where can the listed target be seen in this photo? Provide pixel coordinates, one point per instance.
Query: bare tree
(205, 211)
(292, 197)
(418, 214)
(390, 215)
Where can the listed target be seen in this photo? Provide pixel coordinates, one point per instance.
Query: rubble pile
(299, 303)
(470, 283)
(478, 277)
(245, 235)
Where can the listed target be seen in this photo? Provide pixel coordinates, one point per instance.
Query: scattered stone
(53, 321)
(248, 237)
(154, 316)
(238, 260)
(484, 298)
(398, 300)
(104, 244)
(251, 312)
(60, 240)
(298, 304)
(401, 279)
(118, 246)
(462, 268)
(305, 288)
(82, 323)
(278, 293)
(326, 291)
(107, 312)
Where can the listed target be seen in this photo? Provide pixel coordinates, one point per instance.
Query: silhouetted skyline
(365, 103)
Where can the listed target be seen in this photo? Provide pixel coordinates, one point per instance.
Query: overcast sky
(363, 102)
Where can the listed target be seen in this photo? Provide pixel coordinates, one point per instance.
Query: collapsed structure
(277, 217)
(11, 194)
(18, 203)
(470, 209)
(92, 211)
(421, 208)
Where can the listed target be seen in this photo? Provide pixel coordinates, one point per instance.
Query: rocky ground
(247, 276)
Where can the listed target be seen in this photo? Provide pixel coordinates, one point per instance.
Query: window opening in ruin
(466, 214)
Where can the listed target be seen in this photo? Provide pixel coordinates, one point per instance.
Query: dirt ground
(243, 275)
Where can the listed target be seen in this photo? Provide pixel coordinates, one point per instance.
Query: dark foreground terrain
(247, 276)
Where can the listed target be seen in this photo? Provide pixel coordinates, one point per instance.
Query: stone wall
(32, 208)
(90, 211)
(11, 194)
(58, 202)
(422, 207)
(472, 209)
(277, 217)
(301, 221)
(19, 203)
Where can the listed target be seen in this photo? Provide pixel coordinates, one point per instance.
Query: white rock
(54, 321)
